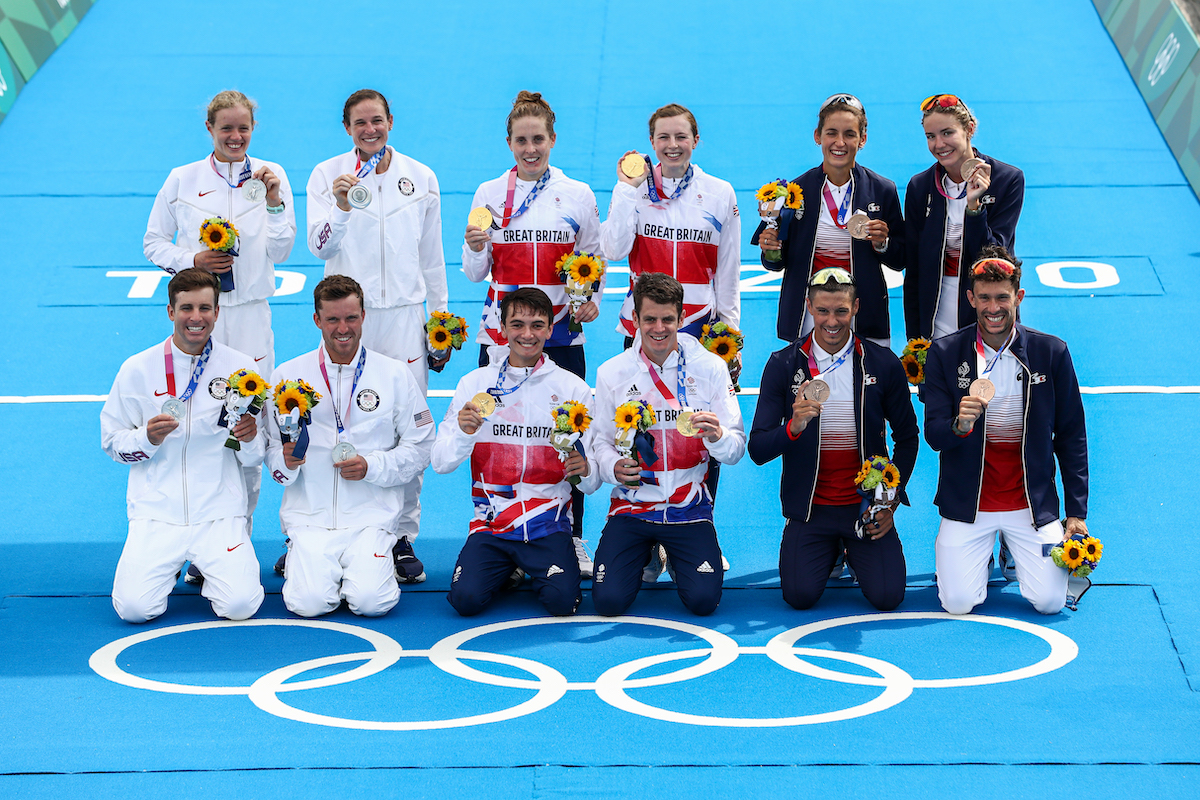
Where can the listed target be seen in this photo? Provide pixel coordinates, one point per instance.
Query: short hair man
(1001, 403)
(186, 498)
(668, 501)
(824, 443)
(341, 507)
(501, 419)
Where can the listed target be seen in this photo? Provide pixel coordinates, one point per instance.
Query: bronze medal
(817, 390)
(983, 389)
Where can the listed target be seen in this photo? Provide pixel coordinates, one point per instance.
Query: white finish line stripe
(746, 390)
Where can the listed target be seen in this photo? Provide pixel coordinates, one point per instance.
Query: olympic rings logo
(611, 686)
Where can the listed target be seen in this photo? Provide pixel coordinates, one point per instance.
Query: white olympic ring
(612, 685)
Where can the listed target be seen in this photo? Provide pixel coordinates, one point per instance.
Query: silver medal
(359, 196)
(254, 190)
(343, 451)
(174, 407)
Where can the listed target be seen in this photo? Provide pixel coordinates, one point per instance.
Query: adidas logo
(457, 572)
(705, 567)
(555, 569)
(599, 576)
(633, 391)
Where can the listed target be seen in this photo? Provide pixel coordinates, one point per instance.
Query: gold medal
(481, 218)
(817, 390)
(633, 165)
(485, 403)
(683, 423)
(857, 225)
(983, 389)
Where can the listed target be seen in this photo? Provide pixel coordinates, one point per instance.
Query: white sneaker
(658, 562)
(585, 561)
(724, 563)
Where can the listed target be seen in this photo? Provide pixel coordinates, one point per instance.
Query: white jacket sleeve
(602, 447)
(122, 429)
(476, 266)
(618, 231)
(453, 445)
(281, 228)
(727, 281)
(159, 242)
(327, 224)
(414, 433)
(433, 258)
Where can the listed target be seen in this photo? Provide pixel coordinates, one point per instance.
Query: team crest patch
(406, 187)
(218, 388)
(367, 399)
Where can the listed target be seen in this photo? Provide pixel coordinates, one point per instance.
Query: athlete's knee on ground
(884, 599)
(701, 600)
(239, 608)
(561, 601)
(466, 602)
(956, 601)
(800, 596)
(308, 605)
(611, 603)
(372, 604)
(136, 610)
(1046, 604)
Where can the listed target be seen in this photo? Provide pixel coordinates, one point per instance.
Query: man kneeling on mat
(501, 419)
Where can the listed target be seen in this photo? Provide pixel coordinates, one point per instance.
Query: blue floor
(89, 142)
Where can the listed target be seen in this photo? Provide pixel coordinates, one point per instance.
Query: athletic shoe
(658, 562)
(280, 564)
(515, 580)
(409, 568)
(838, 567)
(585, 561)
(1008, 567)
(193, 576)
(724, 562)
(668, 566)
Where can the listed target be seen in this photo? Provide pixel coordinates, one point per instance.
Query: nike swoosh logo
(235, 547)
(411, 360)
(157, 393)
(385, 555)
(210, 191)
(260, 358)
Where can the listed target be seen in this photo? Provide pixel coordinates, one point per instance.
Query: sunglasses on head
(848, 99)
(999, 263)
(941, 101)
(838, 274)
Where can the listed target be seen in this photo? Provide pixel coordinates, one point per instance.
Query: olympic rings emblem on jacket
(611, 686)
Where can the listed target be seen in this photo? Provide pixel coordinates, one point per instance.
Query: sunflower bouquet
(1079, 554)
(724, 340)
(294, 402)
(772, 198)
(913, 359)
(445, 330)
(571, 419)
(247, 394)
(877, 481)
(218, 233)
(634, 420)
(581, 272)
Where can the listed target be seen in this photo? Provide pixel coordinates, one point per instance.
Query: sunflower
(891, 476)
(577, 415)
(251, 383)
(725, 347)
(1072, 554)
(1092, 549)
(291, 398)
(863, 473)
(913, 369)
(795, 196)
(917, 345)
(628, 415)
(584, 270)
(439, 338)
(217, 234)
(563, 263)
(769, 192)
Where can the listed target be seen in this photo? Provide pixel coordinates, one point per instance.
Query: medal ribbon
(937, 180)
(245, 176)
(984, 369)
(496, 391)
(812, 360)
(197, 370)
(838, 213)
(362, 170)
(654, 184)
(358, 370)
(509, 216)
(679, 400)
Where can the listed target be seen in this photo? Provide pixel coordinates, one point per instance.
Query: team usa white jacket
(517, 483)
(393, 247)
(563, 217)
(695, 239)
(388, 422)
(192, 477)
(196, 192)
(672, 490)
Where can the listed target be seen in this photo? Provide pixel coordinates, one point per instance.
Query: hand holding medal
(806, 407)
(632, 168)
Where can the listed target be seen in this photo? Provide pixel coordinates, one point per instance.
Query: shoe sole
(418, 579)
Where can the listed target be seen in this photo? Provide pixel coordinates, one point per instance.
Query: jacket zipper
(337, 474)
(187, 436)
